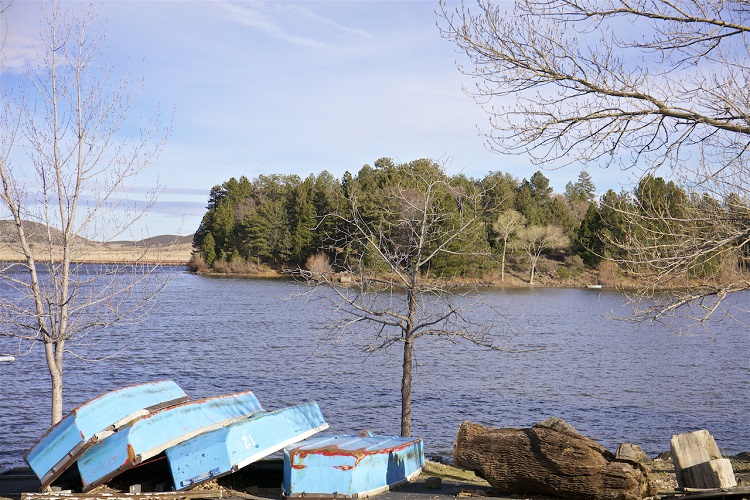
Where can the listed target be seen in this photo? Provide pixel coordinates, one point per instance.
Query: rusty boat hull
(350, 466)
(226, 450)
(151, 435)
(94, 421)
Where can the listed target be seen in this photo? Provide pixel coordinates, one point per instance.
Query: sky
(280, 87)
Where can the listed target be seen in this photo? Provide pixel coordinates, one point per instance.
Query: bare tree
(534, 240)
(645, 84)
(386, 247)
(506, 224)
(68, 198)
(691, 251)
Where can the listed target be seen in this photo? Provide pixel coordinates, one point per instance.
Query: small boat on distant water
(93, 421)
(237, 445)
(593, 286)
(350, 466)
(149, 436)
(6, 359)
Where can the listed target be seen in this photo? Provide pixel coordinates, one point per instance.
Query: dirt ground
(460, 483)
(437, 481)
(662, 472)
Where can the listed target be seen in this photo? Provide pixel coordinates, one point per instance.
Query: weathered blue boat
(231, 448)
(148, 436)
(93, 421)
(350, 466)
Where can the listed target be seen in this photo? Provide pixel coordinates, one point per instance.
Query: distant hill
(159, 241)
(37, 234)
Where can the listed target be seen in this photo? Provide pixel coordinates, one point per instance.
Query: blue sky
(290, 87)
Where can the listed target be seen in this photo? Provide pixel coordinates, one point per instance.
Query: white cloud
(313, 16)
(253, 15)
(22, 22)
(293, 23)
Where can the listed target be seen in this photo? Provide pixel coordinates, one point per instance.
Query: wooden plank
(171, 495)
(696, 494)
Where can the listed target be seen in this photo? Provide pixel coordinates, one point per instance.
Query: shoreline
(515, 283)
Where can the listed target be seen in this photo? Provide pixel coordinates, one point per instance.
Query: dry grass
(178, 254)
(451, 472)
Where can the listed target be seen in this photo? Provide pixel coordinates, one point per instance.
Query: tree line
(283, 221)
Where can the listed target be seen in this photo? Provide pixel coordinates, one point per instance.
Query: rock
(628, 452)
(559, 425)
(546, 461)
(665, 455)
(433, 483)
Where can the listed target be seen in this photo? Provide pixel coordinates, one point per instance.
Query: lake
(613, 381)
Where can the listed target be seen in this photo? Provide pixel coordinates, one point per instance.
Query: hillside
(167, 249)
(162, 240)
(35, 232)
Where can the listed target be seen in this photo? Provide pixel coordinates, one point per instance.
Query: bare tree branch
(384, 291)
(645, 85)
(68, 199)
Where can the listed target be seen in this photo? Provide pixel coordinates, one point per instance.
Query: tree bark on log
(547, 461)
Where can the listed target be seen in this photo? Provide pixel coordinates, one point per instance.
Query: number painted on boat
(249, 442)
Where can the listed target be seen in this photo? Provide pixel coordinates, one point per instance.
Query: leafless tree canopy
(506, 224)
(534, 240)
(384, 290)
(649, 84)
(66, 162)
(690, 251)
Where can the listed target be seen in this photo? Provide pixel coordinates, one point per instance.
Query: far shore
(586, 280)
(113, 254)
(124, 254)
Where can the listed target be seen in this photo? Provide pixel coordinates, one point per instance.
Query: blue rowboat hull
(61, 445)
(148, 436)
(350, 466)
(227, 450)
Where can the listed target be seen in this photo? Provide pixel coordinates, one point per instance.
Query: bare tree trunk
(502, 263)
(407, 375)
(54, 364)
(406, 387)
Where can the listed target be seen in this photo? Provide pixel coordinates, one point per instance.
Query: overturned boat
(241, 443)
(150, 435)
(95, 420)
(350, 466)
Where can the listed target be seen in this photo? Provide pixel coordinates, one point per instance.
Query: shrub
(318, 263)
(196, 264)
(608, 273)
(573, 266)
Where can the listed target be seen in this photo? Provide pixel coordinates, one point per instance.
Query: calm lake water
(615, 382)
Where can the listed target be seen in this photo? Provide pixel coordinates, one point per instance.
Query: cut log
(546, 461)
(698, 462)
(714, 474)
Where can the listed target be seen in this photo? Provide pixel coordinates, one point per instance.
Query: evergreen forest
(521, 228)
